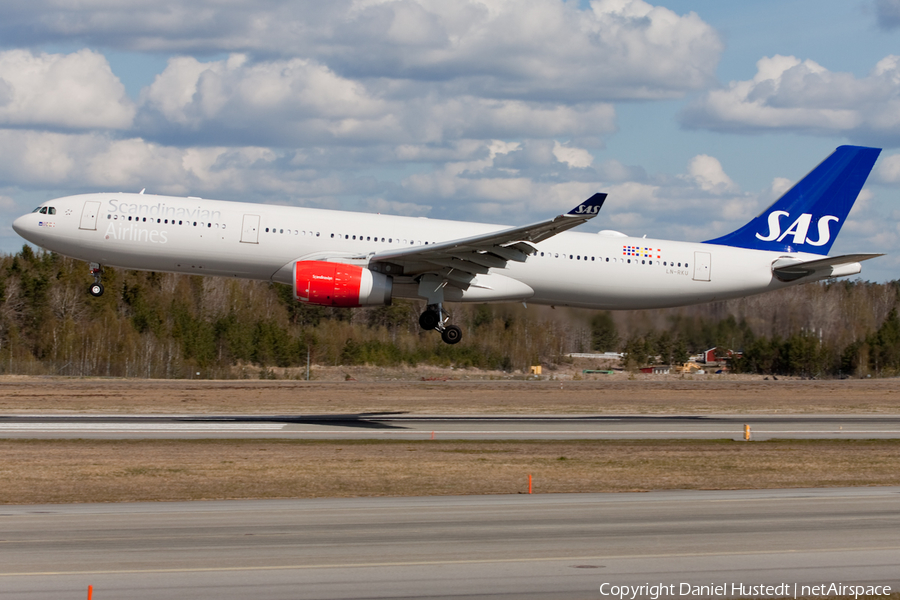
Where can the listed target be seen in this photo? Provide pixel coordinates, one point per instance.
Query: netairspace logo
(738, 590)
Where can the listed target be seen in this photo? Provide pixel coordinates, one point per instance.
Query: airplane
(338, 258)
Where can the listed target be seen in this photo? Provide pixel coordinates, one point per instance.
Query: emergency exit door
(250, 231)
(702, 262)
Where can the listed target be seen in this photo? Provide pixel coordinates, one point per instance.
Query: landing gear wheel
(96, 288)
(429, 319)
(451, 334)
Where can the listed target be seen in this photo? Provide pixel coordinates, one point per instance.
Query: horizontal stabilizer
(792, 269)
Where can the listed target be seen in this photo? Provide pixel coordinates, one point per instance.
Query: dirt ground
(615, 394)
(55, 471)
(42, 471)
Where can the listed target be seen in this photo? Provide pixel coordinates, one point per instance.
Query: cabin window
(108, 217)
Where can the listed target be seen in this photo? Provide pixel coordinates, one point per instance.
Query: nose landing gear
(435, 317)
(96, 288)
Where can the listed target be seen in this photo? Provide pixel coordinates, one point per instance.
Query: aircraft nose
(19, 225)
(24, 225)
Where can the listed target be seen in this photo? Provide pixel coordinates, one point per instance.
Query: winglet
(589, 208)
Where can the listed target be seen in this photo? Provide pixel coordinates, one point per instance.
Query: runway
(524, 546)
(407, 426)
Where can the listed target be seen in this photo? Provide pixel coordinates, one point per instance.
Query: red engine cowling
(336, 284)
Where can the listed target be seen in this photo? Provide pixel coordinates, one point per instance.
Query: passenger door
(89, 215)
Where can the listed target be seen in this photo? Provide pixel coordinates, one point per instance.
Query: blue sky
(694, 116)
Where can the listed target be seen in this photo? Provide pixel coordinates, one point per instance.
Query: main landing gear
(435, 317)
(96, 288)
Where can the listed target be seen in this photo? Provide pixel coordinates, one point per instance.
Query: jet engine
(337, 284)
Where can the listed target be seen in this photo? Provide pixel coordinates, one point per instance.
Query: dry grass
(713, 394)
(56, 471)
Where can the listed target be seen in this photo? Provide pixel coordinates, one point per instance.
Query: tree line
(162, 325)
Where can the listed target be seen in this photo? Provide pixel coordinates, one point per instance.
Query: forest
(160, 325)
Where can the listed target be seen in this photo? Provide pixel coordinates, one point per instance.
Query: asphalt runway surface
(563, 546)
(407, 426)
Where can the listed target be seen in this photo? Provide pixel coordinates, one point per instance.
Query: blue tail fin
(808, 217)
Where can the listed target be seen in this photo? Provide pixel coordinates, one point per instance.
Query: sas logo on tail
(586, 209)
(798, 229)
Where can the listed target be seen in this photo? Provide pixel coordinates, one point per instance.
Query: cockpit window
(38, 209)
(51, 211)
(43, 210)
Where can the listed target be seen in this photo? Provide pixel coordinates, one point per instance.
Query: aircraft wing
(790, 269)
(460, 260)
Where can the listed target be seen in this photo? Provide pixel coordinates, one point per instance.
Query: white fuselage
(257, 241)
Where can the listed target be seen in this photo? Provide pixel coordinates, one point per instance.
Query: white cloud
(275, 99)
(95, 162)
(707, 172)
(68, 91)
(793, 95)
(538, 50)
(780, 185)
(888, 170)
(299, 102)
(409, 209)
(576, 158)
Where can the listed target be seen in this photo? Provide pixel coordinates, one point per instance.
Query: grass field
(60, 471)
